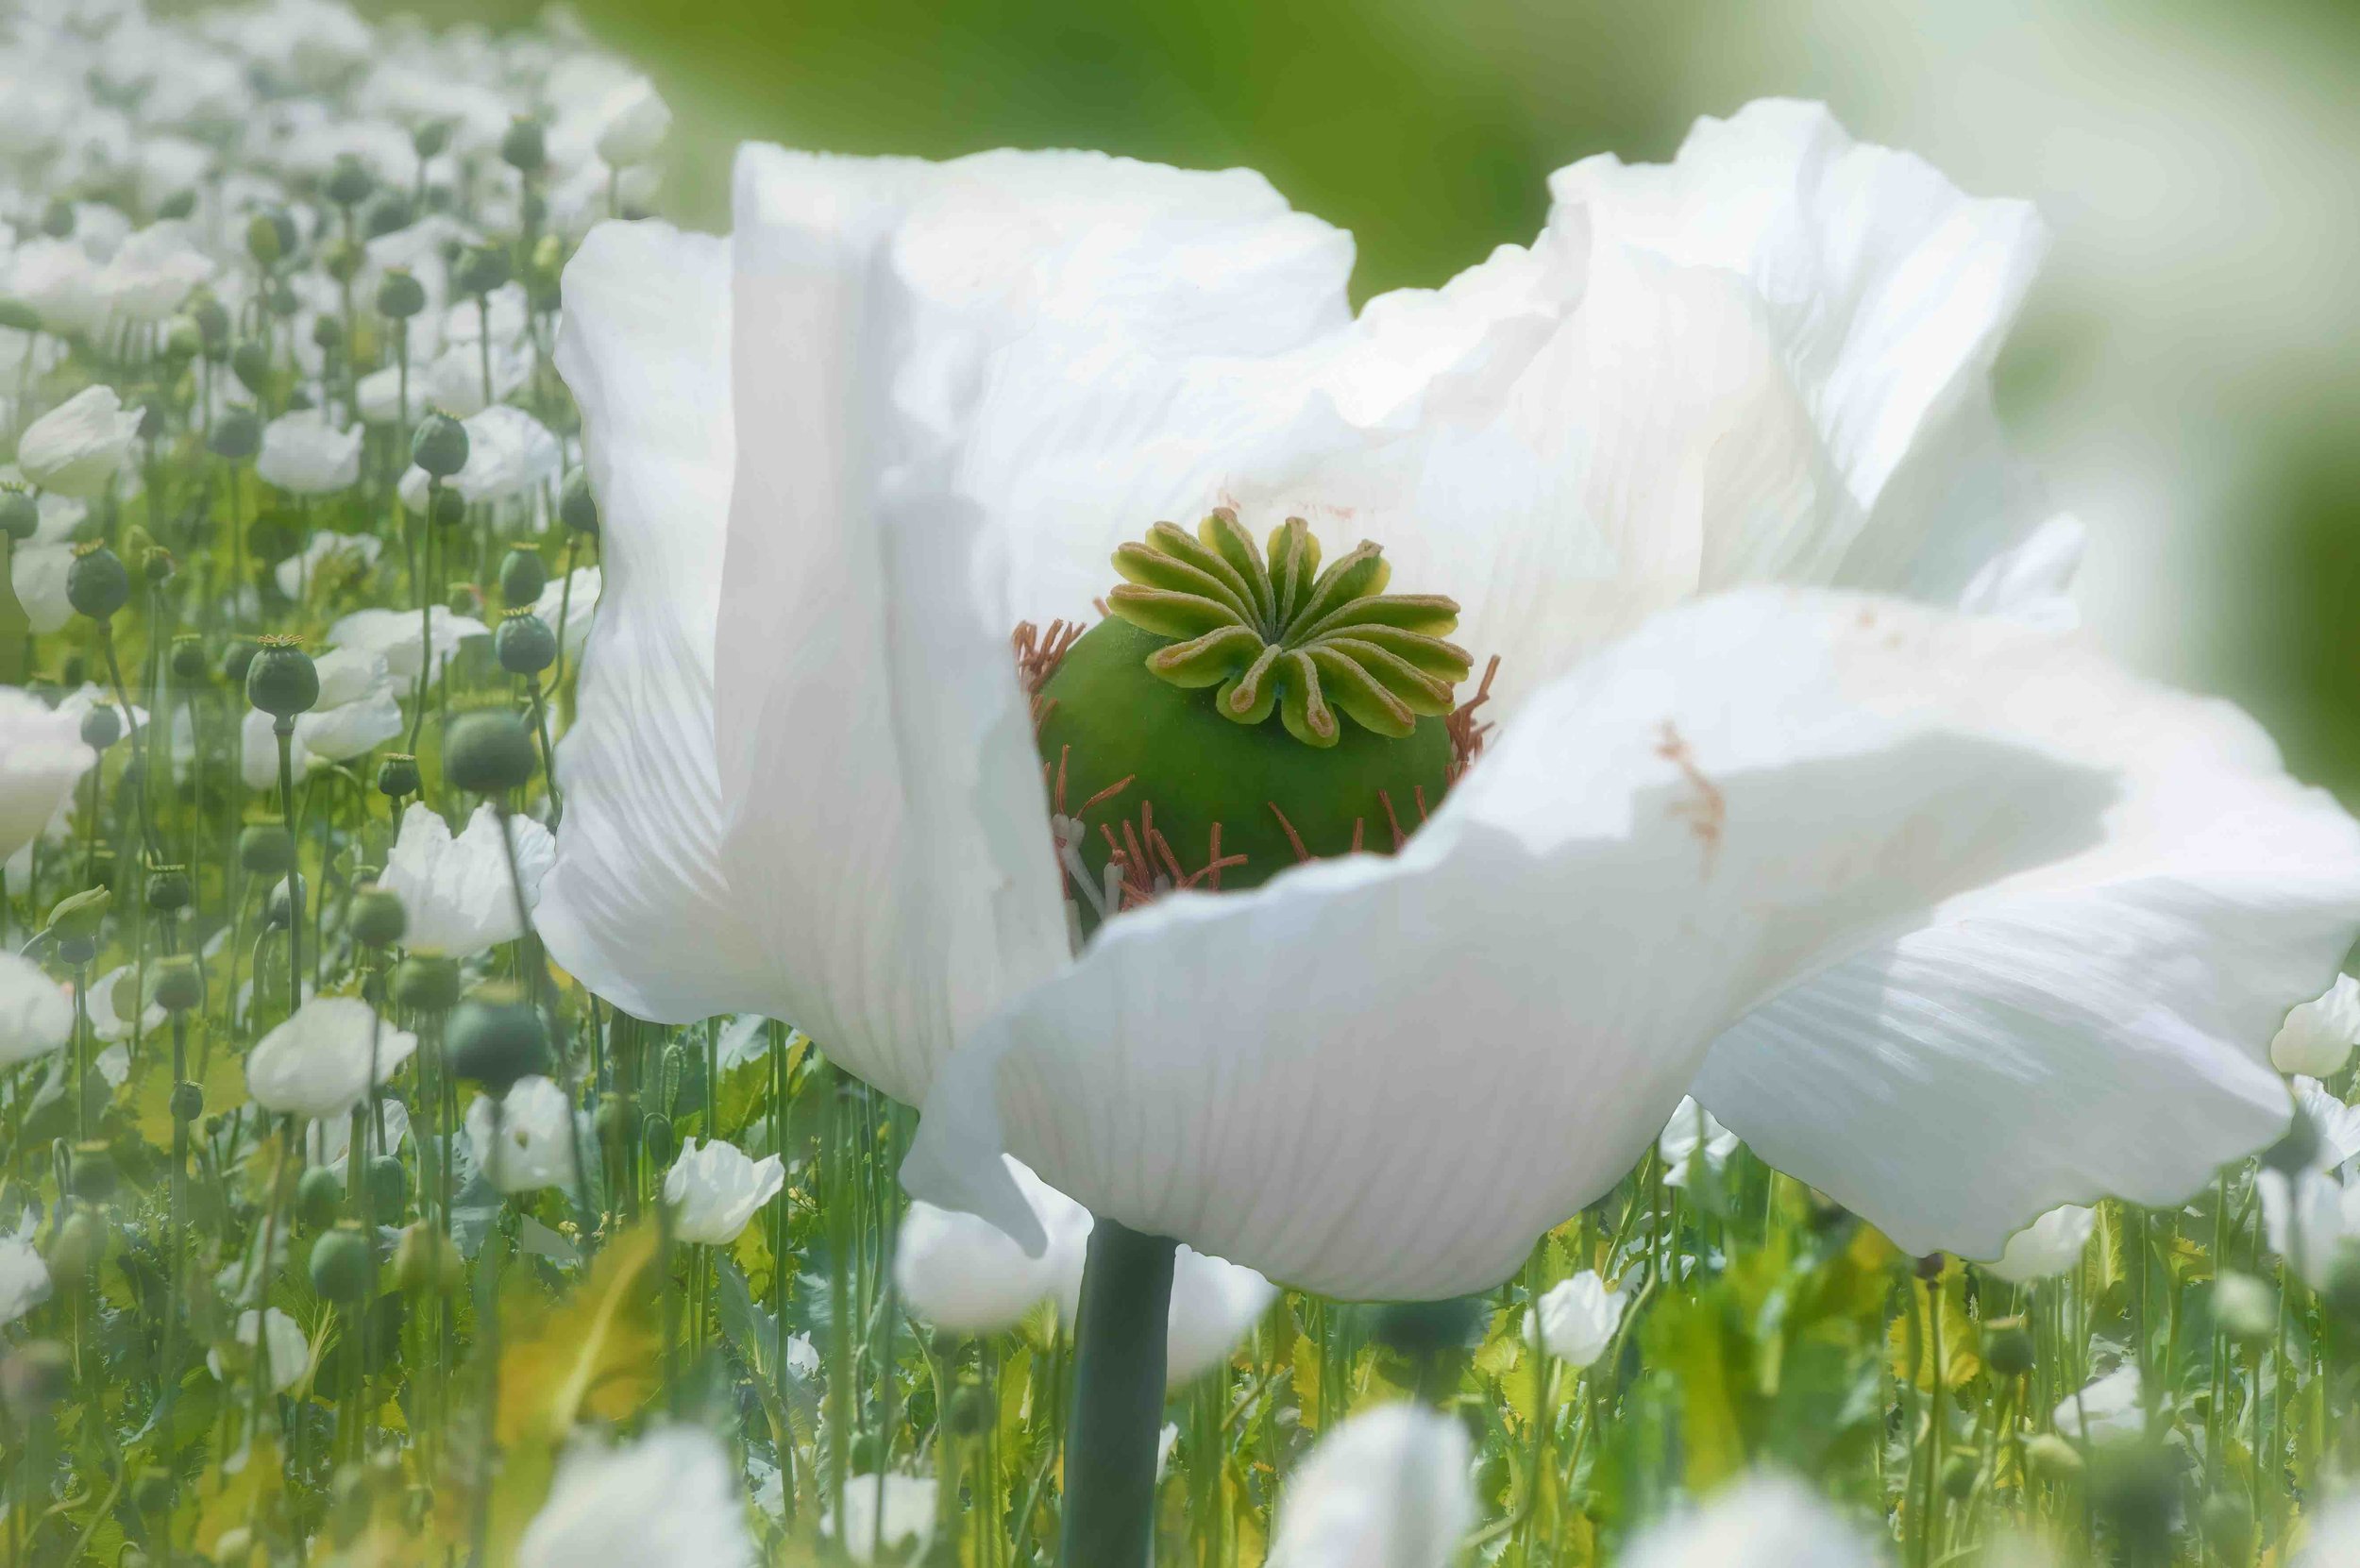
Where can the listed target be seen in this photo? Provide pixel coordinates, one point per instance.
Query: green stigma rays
(1273, 632)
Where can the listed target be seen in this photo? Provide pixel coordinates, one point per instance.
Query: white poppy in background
(716, 1189)
(2108, 1408)
(959, 1271)
(452, 381)
(402, 637)
(36, 1013)
(79, 445)
(43, 756)
(24, 1278)
(2334, 1126)
(1577, 1318)
(1692, 1129)
(2048, 1246)
(37, 575)
(359, 710)
(2330, 1536)
(570, 600)
(2317, 1038)
(885, 1518)
(153, 272)
(343, 554)
(316, 1065)
(115, 1013)
(328, 1143)
(536, 1138)
(1214, 1306)
(78, 703)
(632, 122)
(457, 891)
(58, 278)
(1387, 1488)
(1946, 917)
(672, 1496)
(288, 1347)
(1764, 1521)
(509, 454)
(304, 455)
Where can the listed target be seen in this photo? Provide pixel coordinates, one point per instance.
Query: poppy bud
(523, 577)
(389, 1187)
(2009, 1351)
(400, 295)
(282, 681)
(390, 213)
(265, 848)
(188, 657)
(80, 1243)
(524, 146)
(57, 219)
(970, 1412)
(398, 775)
(270, 235)
(101, 728)
(429, 139)
(378, 917)
(188, 1101)
(340, 1264)
(96, 583)
(213, 321)
(77, 918)
(17, 316)
(448, 509)
(439, 445)
(237, 435)
(20, 515)
(577, 509)
(496, 1037)
(656, 1133)
(424, 1261)
(318, 1196)
(349, 182)
(484, 753)
(481, 271)
(524, 643)
(168, 888)
(426, 983)
(237, 659)
(178, 988)
(91, 1172)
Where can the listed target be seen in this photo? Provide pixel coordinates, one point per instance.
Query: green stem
(1118, 1397)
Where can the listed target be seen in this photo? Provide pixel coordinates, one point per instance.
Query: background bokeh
(2188, 372)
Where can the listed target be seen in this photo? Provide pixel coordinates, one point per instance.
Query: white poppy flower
(1577, 1318)
(288, 1347)
(1948, 918)
(344, 552)
(304, 455)
(399, 637)
(115, 1013)
(452, 381)
(570, 598)
(509, 454)
(1764, 1521)
(885, 1518)
(58, 278)
(43, 757)
(152, 273)
(1690, 1128)
(316, 1065)
(2336, 1125)
(2108, 1408)
(715, 1190)
(959, 1271)
(457, 892)
(1387, 1488)
(36, 574)
(2317, 1038)
(77, 447)
(632, 120)
(24, 1278)
(359, 710)
(1215, 1304)
(536, 1138)
(329, 1142)
(36, 1014)
(2309, 1218)
(2331, 1537)
(670, 1497)
(2048, 1246)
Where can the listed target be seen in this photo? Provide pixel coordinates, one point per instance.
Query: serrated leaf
(595, 1353)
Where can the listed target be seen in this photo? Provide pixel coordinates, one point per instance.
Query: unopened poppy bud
(524, 146)
(523, 577)
(398, 775)
(390, 213)
(92, 1172)
(97, 584)
(183, 339)
(426, 983)
(282, 681)
(188, 657)
(57, 219)
(400, 295)
(156, 565)
(270, 236)
(496, 1037)
(429, 139)
(340, 1264)
(481, 271)
(318, 1196)
(2244, 1308)
(178, 988)
(524, 643)
(439, 446)
(2226, 1522)
(212, 319)
(20, 515)
(188, 1101)
(168, 888)
(448, 509)
(349, 182)
(79, 1244)
(378, 917)
(77, 917)
(265, 848)
(76, 951)
(2009, 1351)
(656, 1133)
(485, 753)
(969, 1410)
(237, 659)
(237, 435)
(1958, 1477)
(577, 509)
(101, 728)
(2052, 1457)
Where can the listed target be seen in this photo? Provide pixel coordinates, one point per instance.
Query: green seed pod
(237, 435)
(390, 213)
(282, 681)
(399, 295)
(80, 1243)
(616, 1118)
(342, 262)
(439, 445)
(2009, 1351)
(525, 146)
(179, 987)
(969, 1410)
(447, 510)
(168, 888)
(523, 577)
(188, 1101)
(524, 645)
(429, 139)
(188, 658)
(92, 1172)
(102, 726)
(656, 1133)
(1959, 1475)
(265, 848)
(426, 983)
(237, 659)
(318, 1196)
(349, 182)
(496, 1037)
(340, 1264)
(576, 508)
(398, 775)
(270, 236)
(378, 917)
(481, 271)
(484, 753)
(389, 1187)
(2052, 1457)
(213, 321)
(20, 515)
(97, 584)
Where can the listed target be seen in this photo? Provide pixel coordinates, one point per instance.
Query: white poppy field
(968, 877)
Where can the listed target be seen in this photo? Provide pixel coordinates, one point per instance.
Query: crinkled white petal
(1387, 1488)
(1764, 1521)
(36, 1014)
(457, 891)
(43, 757)
(316, 1063)
(672, 1496)
(2048, 1246)
(2317, 1038)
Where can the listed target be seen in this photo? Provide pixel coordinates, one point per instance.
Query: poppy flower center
(1153, 726)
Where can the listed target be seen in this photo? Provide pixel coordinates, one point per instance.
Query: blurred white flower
(77, 448)
(536, 1138)
(114, 1008)
(36, 1013)
(153, 272)
(570, 600)
(1691, 1128)
(400, 636)
(2106, 1408)
(884, 1518)
(2050, 1245)
(329, 1142)
(43, 757)
(2317, 1038)
(326, 553)
(304, 455)
(632, 120)
(457, 891)
(1764, 1521)
(671, 1497)
(2330, 1536)
(37, 573)
(715, 1189)
(959, 1271)
(289, 1348)
(509, 454)
(58, 278)
(2334, 1126)
(1387, 1488)
(24, 1278)
(452, 381)
(1578, 1317)
(316, 1065)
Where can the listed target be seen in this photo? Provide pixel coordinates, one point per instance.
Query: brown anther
(1385, 799)
(1038, 653)
(1420, 791)
(1295, 839)
(1466, 735)
(1106, 793)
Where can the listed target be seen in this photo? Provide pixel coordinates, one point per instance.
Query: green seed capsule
(524, 645)
(340, 1264)
(485, 753)
(378, 917)
(97, 584)
(523, 577)
(496, 1037)
(282, 681)
(318, 1196)
(439, 445)
(426, 983)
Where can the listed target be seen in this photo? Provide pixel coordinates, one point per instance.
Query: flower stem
(1118, 1397)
